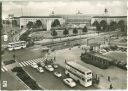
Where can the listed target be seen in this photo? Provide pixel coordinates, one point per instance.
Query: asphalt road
(48, 81)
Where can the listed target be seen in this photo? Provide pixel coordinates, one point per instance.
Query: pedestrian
(65, 60)
(96, 76)
(109, 78)
(54, 58)
(98, 79)
(110, 86)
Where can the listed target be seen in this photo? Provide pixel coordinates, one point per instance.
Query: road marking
(38, 60)
(29, 61)
(2, 69)
(32, 61)
(20, 64)
(5, 68)
(25, 63)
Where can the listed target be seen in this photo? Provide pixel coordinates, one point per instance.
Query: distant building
(108, 19)
(77, 19)
(46, 20)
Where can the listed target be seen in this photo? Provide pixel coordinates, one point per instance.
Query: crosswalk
(4, 69)
(29, 62)
(25, 63)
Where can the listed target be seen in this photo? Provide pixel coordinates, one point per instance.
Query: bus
(79, 73)
(16, 45)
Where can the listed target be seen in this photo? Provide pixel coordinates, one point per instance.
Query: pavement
(12, 82)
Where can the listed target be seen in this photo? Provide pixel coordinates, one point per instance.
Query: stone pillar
(48, 24)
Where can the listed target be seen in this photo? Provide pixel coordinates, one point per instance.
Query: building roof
(40, 17)
(100, 56)
(110, 17)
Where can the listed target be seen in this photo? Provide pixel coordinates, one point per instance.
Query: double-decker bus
(79, 73)
(16, 45)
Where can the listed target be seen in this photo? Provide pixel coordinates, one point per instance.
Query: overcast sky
(44, 7)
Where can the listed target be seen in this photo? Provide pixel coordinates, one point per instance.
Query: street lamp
(14, 56)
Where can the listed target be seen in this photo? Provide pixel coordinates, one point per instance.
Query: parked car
(49, 67)
(55, 65)
(57, 74)
(40, 69)
(34, 65)
(103, 51)
(70, 82)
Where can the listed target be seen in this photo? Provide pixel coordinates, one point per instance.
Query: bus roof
(101, 56)
(78, 66)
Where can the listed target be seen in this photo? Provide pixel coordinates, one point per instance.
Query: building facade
(77, 19)
(46, 20)
(108, 19)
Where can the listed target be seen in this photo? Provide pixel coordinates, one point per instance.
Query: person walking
(109, 78)
(110, 86)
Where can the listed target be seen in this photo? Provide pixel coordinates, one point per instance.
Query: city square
(58, 51)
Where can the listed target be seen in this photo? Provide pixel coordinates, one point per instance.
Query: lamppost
(14, 56)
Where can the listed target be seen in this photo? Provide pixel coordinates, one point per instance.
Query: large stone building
(77, 19)
(46, 20)
(108, 19)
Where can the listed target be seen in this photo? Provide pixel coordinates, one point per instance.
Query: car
(49, 67)
(40, 69)
(41, 64)
(34, 65)
(55, 65)
(57, 74)
(69, 81)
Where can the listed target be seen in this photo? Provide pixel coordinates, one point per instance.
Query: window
(89, 73)
(83, 79)
(89, 80)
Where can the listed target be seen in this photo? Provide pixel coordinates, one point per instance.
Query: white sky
(44, 7)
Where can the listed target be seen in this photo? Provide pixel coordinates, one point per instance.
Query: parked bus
(79, 73)
(16, 45)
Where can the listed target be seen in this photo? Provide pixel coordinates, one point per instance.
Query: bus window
(83, 79)
(89, 80)
(89, 73)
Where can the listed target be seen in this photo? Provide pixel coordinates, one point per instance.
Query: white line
(3, 70)
(20, 64)
(38, 60)
(28, 62)
(32, 61)
(23, 64)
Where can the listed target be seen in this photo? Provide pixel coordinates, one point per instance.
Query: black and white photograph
(63, 44)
